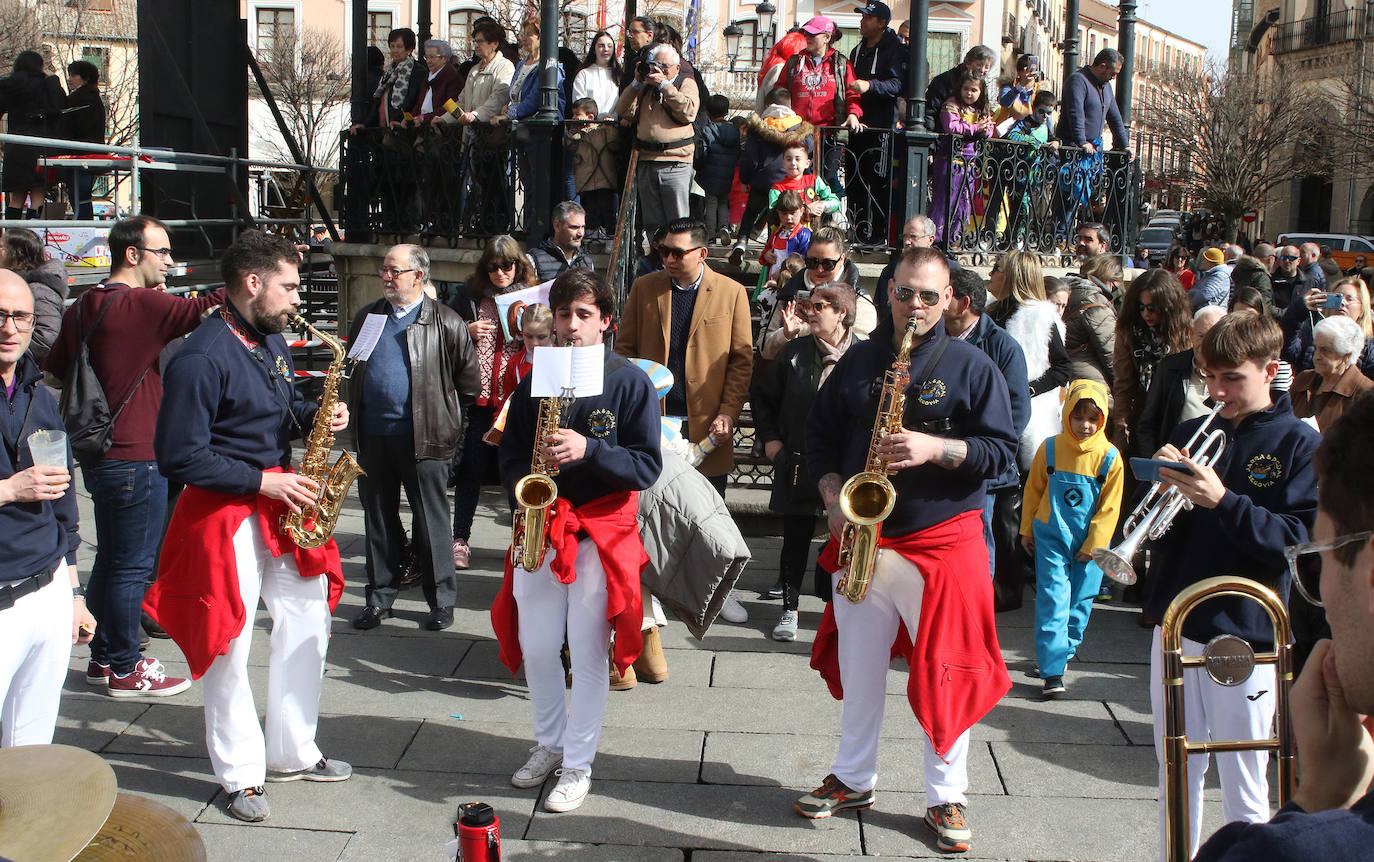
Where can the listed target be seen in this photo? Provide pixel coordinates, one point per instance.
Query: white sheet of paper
(368, 336)
(555, 369)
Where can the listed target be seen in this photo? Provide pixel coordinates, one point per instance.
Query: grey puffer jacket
(1090, 329)
(696, 552)
(49, 286)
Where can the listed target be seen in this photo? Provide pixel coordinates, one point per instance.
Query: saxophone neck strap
(257, 351)
(939, 351)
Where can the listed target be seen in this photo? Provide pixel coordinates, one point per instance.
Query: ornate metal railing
(1343, 25)
(996, 195)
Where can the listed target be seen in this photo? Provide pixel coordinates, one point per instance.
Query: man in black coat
(84, 120)
(978, 60)
(879, 62)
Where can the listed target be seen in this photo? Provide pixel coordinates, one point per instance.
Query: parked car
(1345, 247)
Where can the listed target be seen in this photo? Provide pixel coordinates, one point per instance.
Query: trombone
(1229, 661)
(1152, 516)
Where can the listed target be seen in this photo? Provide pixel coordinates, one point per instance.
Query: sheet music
(368, 336)
(579, 369)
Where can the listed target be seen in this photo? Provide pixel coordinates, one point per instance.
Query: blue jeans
(130, 499)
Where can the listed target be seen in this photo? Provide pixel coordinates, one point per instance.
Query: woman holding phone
(1347, 296)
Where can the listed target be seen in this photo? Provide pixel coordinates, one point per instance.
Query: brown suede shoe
(652, 664)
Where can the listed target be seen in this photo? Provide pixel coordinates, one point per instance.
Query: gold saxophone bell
(535, 493)
(1229, 661)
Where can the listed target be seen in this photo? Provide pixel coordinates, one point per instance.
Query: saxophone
(535, 493)
(867, 498)
(314, 524)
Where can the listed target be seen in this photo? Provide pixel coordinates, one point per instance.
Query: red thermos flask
(479, 833)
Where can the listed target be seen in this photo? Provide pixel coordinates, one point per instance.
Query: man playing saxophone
(930, 597)
(606, 451)
(1257, 496)
(229, 414)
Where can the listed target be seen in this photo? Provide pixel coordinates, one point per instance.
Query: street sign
(1250, 216)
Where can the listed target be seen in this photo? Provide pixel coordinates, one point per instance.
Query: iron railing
(1344, 25)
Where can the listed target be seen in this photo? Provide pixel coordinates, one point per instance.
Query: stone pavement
(702, 768)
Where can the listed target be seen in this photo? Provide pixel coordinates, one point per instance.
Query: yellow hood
(1096, 392)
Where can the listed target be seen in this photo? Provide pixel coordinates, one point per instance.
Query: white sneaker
(570, 790)
(732, 611)
(543, 760)
(786, 629)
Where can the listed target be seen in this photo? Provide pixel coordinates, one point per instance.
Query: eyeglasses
(1305, 563)
(1288, 257)
(1148, 308)
(822, 262)
(157, 252)
(23, 320)
(667, 251)
(501, 266)
(929, 298)
(390, 272)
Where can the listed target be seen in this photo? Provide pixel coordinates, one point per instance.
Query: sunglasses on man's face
(668, 251)
(822, 262)
(929, 298)
(1287, 257)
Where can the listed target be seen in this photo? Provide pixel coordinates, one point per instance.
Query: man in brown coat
(696, 322)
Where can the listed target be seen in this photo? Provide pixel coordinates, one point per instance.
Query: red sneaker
(148, 679)
(97, 674)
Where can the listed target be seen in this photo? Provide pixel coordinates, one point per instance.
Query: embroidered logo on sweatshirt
(931, 392)
(601, 422)
(1264, 470)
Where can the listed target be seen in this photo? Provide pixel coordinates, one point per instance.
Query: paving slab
(93, 723)
(700, 816)
(231, 844)
(1077, 770)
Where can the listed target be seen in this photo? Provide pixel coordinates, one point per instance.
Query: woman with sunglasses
(1154, 322)
(781, 399)
(1176, 261)
(502, 268)
(827, 262)
(1018, 284)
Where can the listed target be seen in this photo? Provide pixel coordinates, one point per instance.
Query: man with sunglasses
(930, 597)
(1331, 817)
(1258, 496)
(412, 399)
(1291, 284)
(126, 322)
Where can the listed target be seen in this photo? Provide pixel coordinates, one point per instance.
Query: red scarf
(955, 670)
(612, 523)
(196, 597)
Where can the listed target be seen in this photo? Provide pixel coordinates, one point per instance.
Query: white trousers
(35, 648)
(866, 633)
(299, 609)
(1216, 712)
(569, 724)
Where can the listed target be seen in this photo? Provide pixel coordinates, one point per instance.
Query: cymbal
(139, 828)
(53, 798)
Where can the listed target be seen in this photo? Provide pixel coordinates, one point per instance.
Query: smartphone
(1147, 469)
(1334, 302)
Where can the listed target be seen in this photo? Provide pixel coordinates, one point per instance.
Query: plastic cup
(49, 448)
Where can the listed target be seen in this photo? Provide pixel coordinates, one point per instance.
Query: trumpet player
(606, 451)
(930, 597)
(1254, 498)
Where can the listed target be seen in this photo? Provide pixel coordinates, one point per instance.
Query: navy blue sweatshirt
(966, 388)
(884, 67)
(1293, 835)
(33, 536)
(1085, 108)
(621, 425)
(227, 414)
(1270, 502)
(1003, 350)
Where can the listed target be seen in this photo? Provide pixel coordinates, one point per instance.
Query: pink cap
(818, 25)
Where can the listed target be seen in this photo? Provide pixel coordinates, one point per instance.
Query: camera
(647, 68)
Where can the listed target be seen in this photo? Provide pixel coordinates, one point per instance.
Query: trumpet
(1153, 515)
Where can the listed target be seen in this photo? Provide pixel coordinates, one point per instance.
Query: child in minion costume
(1071, 504)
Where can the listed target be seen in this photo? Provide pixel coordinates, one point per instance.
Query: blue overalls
(1064, 587)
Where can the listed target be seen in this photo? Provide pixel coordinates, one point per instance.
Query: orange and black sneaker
(830, 797)
(952, 834)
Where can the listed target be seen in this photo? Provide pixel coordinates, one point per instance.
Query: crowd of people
(694, 155)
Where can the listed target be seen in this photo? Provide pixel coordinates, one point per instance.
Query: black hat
(877, 9)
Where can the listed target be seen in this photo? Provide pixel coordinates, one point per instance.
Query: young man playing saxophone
(956, 433)
(229, 413)
(606, 449)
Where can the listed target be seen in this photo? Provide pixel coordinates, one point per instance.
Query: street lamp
(765, 11)
(733, 33)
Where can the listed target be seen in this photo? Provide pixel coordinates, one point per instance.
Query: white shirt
(399, 311)
(427, 106)
(595, 82)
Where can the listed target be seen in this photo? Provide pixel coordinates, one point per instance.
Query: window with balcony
(751, 51)
(276, 34)
(378, 25)
(945, 50)
(460, 29)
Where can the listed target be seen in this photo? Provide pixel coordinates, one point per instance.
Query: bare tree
(310, 83)
(72, 31)
(19, 31)
(1238, 136)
